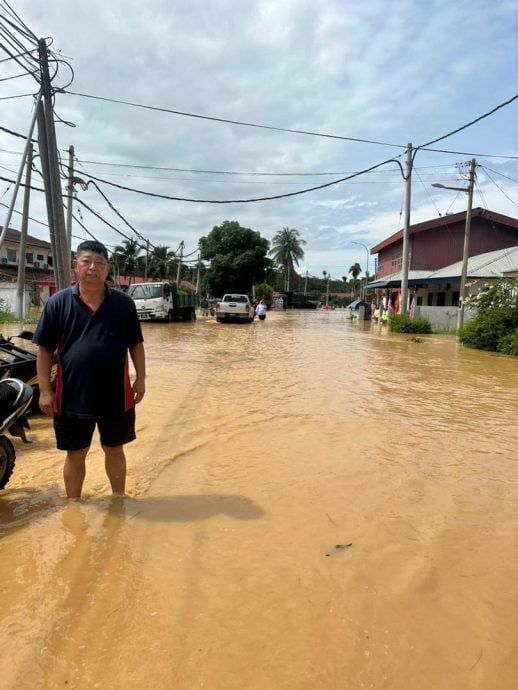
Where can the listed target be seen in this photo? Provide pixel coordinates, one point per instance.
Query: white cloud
(389, 72)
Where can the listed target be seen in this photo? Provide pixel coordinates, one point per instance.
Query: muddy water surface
(312, 505)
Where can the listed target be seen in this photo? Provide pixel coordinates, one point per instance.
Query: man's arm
(138, 358)
(44, 362)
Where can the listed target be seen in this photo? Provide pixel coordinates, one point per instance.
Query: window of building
(40, 257)
(11, 255)
(430, 299)
(396, 263)
(49, 260)
(29, 257)
(420, 301)
(441, 299)
(455, 298)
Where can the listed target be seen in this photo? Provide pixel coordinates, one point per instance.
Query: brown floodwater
(313, 504)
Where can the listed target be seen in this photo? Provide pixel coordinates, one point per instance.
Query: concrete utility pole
(20, 284)
(465, 252)
(70, 191)
(51, 177)
(198, 275)
(20, 171)
(467, 229)
(403, 305)
(178, 270)
(146, 261)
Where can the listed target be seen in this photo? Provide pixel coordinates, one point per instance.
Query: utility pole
(178, 270)
(20, 284)
(406, 233)
(306, 282)
(465, 253)
(70, 191)
(146, 261)
(20, 171)
(51, 177)
(198, 276)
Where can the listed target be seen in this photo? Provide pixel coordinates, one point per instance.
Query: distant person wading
(260, 310)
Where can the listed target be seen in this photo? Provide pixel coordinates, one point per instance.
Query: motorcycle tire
(7, 460)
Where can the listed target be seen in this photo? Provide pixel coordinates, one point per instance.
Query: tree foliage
(287, 251)
(238, 258)
(161, 263)
(495, 325)
(127, 258)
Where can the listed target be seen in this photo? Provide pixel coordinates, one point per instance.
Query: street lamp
(367, 265)
(465, 254)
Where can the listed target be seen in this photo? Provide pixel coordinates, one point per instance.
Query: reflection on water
(263, 451)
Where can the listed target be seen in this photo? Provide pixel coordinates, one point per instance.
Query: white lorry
(161, 302)
(234, 308)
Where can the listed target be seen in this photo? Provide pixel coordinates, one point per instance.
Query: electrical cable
(231, 122)
(247, 201)
(498, 186)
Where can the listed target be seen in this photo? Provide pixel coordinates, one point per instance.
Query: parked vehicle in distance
(161, 302)
(234, 307)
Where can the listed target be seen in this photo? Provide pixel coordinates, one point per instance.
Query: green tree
(161, 263)
(237, 256)
(126, 259)
(495, 325)
(355, 271)
(287, 251)
(263, 291)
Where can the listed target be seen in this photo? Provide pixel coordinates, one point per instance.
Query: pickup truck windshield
(235, 298)
(145, 291)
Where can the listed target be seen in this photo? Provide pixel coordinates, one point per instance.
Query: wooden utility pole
(20, 285)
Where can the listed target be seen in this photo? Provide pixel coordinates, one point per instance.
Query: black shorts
(75, 433)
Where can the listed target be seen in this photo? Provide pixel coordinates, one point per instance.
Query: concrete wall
(443, 318)
(8, 295)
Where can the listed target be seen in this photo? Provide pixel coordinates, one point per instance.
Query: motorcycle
(15, 399)
(17, 362)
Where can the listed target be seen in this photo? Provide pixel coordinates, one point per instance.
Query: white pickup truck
(234, 308)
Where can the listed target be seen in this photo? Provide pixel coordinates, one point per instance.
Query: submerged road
(313, 504)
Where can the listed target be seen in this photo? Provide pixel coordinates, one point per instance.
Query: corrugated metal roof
(488, 265)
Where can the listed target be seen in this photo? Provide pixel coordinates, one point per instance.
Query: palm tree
(126, 258)
(355, 270)
(287, 251)
(161, 262)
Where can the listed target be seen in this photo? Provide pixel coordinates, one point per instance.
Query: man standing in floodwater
(91, 328)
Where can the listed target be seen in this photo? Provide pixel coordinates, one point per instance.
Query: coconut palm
(126, 258)
(287, 251)
(161, 262)
(355, 271)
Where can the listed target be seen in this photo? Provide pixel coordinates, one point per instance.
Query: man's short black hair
(92, 246)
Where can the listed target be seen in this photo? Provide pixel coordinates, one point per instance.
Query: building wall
(443, 318)
(9, 298)
(434, 248)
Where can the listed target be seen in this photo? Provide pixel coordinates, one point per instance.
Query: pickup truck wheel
(7, 459)
(169, 317)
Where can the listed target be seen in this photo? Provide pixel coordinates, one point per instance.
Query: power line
(231, 122)
(246, 201)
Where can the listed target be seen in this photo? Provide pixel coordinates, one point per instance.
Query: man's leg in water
(74, 472)
(115, 464)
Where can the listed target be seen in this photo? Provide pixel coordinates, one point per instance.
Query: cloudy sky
(384, 73)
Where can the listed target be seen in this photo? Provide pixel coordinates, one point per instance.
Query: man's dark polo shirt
(91, 351)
